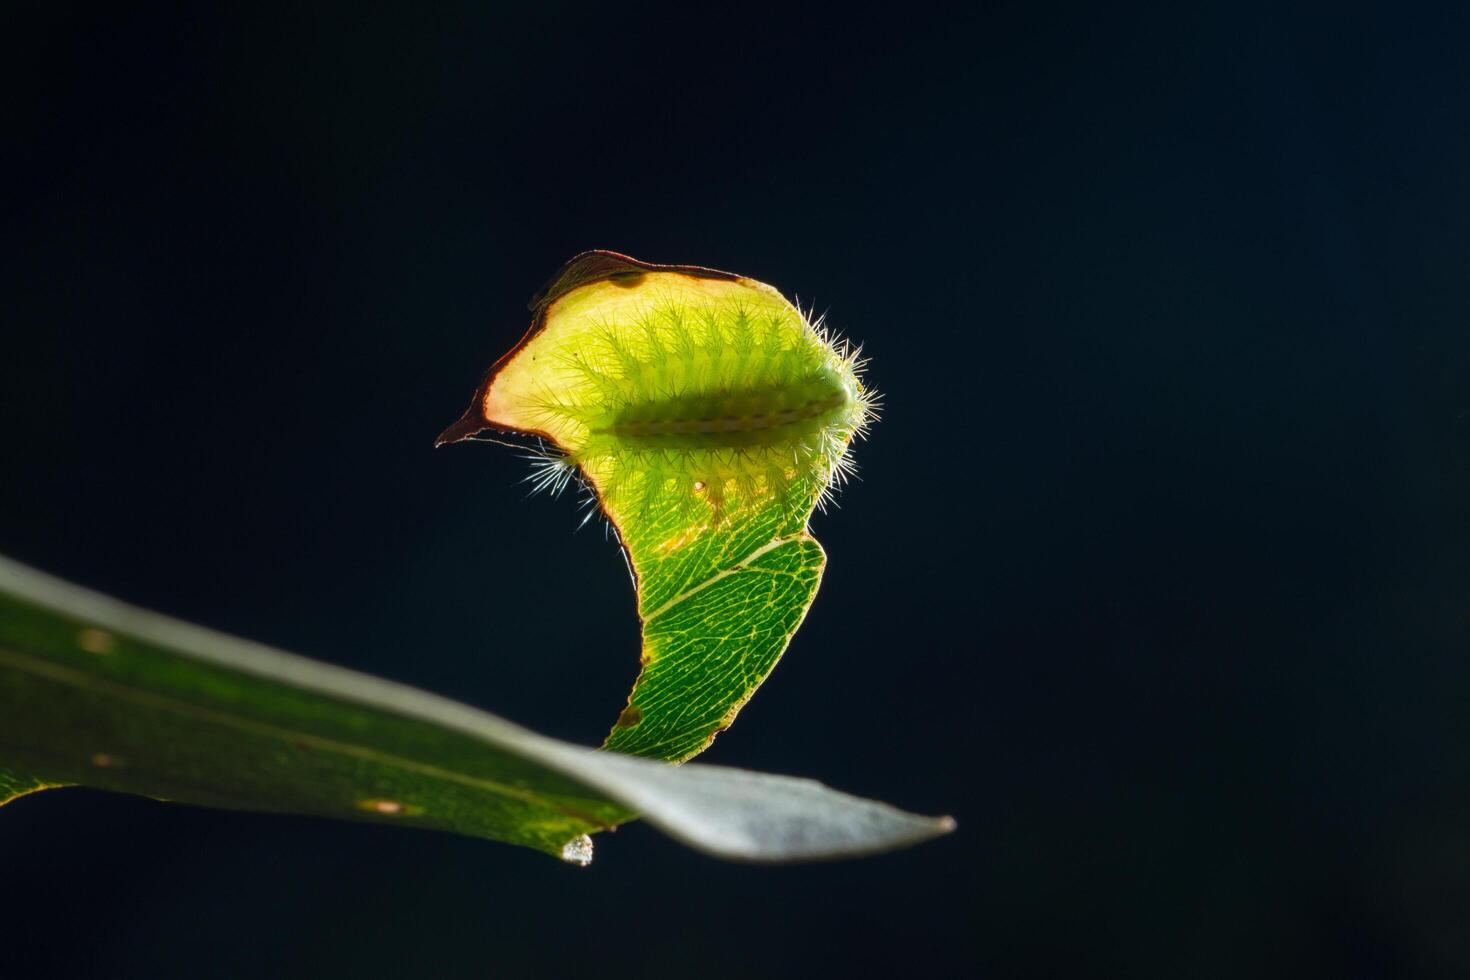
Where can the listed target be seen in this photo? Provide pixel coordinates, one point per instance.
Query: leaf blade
(14, 785)
(722, 635)
(99, 693)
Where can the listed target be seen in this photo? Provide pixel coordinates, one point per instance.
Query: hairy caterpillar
(678, 382)
(710, 417)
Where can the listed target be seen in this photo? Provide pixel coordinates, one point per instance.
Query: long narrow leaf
(98, 693)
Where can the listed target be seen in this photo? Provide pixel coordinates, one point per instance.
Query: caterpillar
(708, 417)
(677, 383)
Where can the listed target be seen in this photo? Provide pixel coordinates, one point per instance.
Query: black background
(1157, 578)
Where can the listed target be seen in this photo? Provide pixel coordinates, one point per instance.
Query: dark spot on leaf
(627, 280)
(631, 716)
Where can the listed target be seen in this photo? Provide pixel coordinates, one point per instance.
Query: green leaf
(708, 646)
(97, 693)
(710, 417)
(14, 785)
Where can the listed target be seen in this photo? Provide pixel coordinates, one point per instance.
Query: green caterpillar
(672, 379)
(709, 416)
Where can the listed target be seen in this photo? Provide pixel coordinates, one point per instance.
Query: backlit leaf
(98, 693)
